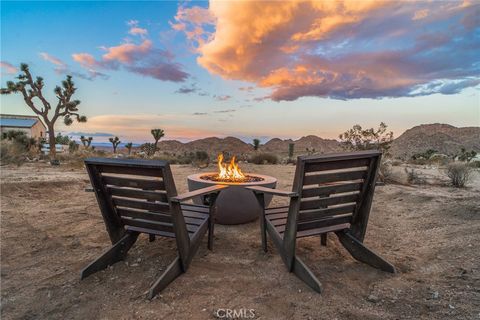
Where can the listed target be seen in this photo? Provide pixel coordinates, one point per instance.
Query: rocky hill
(235, 146)
(444, 138)
(319, 145)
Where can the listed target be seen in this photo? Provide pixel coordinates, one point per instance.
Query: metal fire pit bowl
(235, 205)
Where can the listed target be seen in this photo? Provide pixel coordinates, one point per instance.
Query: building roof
(17, 123)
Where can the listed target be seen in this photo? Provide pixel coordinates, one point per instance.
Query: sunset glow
(250, 68)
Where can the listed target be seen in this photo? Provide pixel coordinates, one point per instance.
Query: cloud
(187, 90)
(200, 113)
(62, 68)
(9, 68)
(222, 97)
(135, 29)
(91, 134)
(225, 111)
(192, 21)
(139, 58)
(339, 49)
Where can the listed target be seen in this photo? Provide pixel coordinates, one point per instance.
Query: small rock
(451, 307)
(373, 298)
(435, 295)
(134, 265)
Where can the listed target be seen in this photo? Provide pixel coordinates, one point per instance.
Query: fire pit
(235, 205)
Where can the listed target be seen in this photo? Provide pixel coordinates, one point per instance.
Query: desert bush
(12, 153)
(357, 138)
(413, 177)
(148, 149)
(475, 164)
(201, 159)
(385, 172)
(264, 158)
(72, 146)
(60, 139)
(459, 173)
(424, 155)
(465, 155)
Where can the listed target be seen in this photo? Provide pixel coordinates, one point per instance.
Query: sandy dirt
(51, 229)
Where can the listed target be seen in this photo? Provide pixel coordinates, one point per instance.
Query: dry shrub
(385, 172)
(264, 158)
(459, 173)
(12, 153)
(413, 177)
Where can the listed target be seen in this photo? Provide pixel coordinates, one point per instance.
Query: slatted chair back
(133, 195)
(335, 192)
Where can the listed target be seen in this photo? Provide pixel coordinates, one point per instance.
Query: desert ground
(51, 229)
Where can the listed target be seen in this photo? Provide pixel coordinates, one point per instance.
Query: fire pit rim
(266, 179)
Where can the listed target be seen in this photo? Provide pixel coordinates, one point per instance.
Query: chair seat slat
(136, 214)
(315, 232)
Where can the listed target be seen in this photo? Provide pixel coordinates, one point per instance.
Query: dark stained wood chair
(331, 193)
(139, 196)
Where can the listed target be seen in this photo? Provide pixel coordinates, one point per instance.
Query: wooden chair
(139, 196)
(331, 193)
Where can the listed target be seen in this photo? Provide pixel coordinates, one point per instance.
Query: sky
(249, 69)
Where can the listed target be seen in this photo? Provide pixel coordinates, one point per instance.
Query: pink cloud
(9, 68)
(47, 57)
(142, 59)
(127, 52)
(138, 31)
(339, 49)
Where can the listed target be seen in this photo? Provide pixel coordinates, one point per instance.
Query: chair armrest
(196, 193)
(275, 192)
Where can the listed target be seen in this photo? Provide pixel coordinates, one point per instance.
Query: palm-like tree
(115, 142)
(129, 147)
(157, 135)
(256, 144)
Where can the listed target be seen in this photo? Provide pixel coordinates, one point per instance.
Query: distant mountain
(311, 142)
(235, 146)
(444, 138)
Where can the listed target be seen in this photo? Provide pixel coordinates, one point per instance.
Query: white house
(31, 125)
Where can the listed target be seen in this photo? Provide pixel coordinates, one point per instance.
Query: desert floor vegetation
(429, 231)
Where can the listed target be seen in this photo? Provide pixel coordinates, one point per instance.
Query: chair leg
(170, 274)
(116, 253)
(360, 252)
(263, 231)
(305, 274)
(211, 227)
(323, 239)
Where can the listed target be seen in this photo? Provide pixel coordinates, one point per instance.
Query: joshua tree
(66, 108)
(256, 144)
(291, 147)
(86, 141)
(157, 135)
(129, 147)
(115, 142)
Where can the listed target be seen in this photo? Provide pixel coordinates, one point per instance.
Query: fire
(230, 171)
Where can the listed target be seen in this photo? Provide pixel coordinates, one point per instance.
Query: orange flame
(229, 171)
